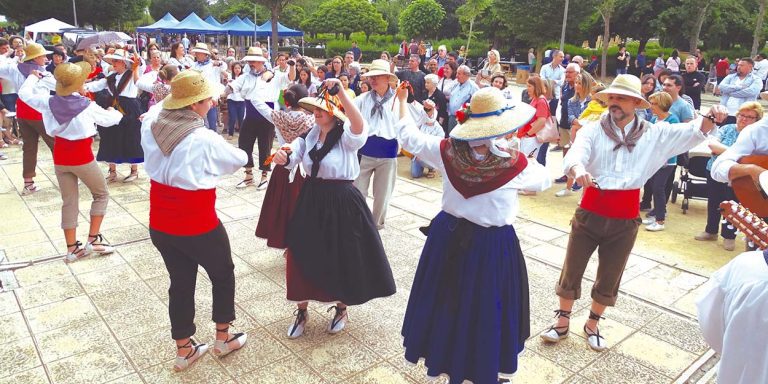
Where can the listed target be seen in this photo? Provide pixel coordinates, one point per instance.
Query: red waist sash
(614, 204)
(181, 212)
(24, 111)
(72, 152)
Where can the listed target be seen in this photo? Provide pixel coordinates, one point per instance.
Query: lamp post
(562, 34)
(74, 12)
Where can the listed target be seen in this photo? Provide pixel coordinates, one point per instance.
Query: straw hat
(627, 85)
(189, 87)
(120, 54)
(255, 54)
(201, 48)
(491, 116)
(379, 67)
(310, 103)
(70, 77)
(33, 51)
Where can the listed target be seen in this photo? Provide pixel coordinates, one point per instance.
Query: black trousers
(256, 127)
(717, 193)
(182, 256)
(658, 188)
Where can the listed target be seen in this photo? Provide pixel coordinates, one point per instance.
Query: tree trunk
(606, 41)
(643, 43)
(275, 16)
(539, 58)
(757, 42)
(469, 36)
(693, 41)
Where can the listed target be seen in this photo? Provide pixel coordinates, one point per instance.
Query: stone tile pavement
(104, 320)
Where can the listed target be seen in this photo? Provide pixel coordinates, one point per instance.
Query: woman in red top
(527, 135)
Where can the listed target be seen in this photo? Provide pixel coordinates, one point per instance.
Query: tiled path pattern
(104, 320)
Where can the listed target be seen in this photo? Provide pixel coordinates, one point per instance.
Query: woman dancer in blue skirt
(468, 314)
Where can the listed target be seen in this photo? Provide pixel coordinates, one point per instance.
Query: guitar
(744, 220)
(749, 193)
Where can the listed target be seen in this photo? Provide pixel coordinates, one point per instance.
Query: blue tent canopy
(282, 30)
(249, 22)
(167, 21)
(212, 21)
(194, 24)
(237, 27)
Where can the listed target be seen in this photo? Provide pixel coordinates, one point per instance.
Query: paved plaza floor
(104, 319)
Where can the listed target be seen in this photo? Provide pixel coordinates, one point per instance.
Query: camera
(291, 62)
(334, 90)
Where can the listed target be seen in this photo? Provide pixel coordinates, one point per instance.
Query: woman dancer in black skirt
(335, 252)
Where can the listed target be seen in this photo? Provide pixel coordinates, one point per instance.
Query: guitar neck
(753, 227)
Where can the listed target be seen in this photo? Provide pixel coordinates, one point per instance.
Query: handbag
(549, 133)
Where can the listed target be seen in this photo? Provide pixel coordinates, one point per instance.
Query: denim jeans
(417, 168)
(236, 112)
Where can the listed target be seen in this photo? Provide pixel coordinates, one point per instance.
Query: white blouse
(252, 87)
(198, 161)
(130, 90)
(732, 315)
(492, 209)
(234, 96)
(80, 127)
(753, 140)
(9, 71)
(623, 170)
(341, 162)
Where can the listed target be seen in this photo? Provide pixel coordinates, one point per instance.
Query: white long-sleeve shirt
(10, 72)
(197, 162)
(733, 316)
(592, 152)
(753, 140)
(341, 162)
(130, 90)
(80, 127)
(496, 208)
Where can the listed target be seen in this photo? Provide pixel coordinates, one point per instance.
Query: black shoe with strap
(222, 348)
(297, 329)
(594, 339)
(554, 334)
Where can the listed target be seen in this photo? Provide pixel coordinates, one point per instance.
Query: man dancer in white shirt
(612, 159)
(211, 70)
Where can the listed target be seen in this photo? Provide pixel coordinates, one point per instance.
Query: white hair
(465, 69)
(575, 66)
(577, 59)
(442, 48)
(432, 78)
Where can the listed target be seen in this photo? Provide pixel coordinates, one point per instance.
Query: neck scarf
(629, 140)
(378, 104)
(173, 125)
(28, 66)
(256, 73)
(65, 108)
(471, 177)
(204, 62)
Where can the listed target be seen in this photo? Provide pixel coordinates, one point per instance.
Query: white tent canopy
(50, 25)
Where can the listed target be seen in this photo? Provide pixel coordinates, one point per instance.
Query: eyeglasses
(745, 117)
(427, 110)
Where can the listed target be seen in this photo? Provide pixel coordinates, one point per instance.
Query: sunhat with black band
(201, 48)
(379, 67)
(70, 77)
(625, 85)
(119, 54)
(310, 103)
(33, 51)
(490, 115)
(255, 54)
(189, 87)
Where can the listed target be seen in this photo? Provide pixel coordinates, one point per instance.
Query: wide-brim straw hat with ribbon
(119, 54)
(332, 104)
(201, 48)
(33, 51)
(255, 54)
(189, 87)
(626, 85)
(490, 115)
(70, 77)
(379, 67)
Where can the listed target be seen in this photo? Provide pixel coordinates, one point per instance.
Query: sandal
(98, 246)
(247, 182)
(131, 177)
(222, 348)
(339, 320)
(111, 177)
(29, 188)
(555, 334)
(430, 174)
(76, 254)
(196, 351)
(297, 328)
(594, 340)
(263, 183)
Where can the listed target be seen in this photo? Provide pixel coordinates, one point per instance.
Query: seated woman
(468, 313)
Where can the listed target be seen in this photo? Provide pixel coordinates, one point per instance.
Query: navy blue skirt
(468, 315)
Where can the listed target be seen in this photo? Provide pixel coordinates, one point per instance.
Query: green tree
(275, 9)
(421, 18)
(223, 10)
(450, 27)
(178, 8)
(345, 17)
(606, 9)
(27, 12)
(391, 10)
(293, 15)
(110, 14)
(471, 11)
